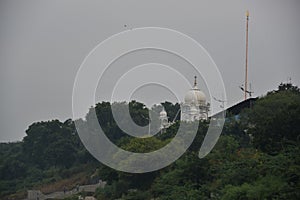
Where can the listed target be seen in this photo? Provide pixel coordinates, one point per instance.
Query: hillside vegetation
(256, 157)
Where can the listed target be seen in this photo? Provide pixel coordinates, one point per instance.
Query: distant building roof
(237, 108)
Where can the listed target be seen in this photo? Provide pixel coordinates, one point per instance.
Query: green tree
(274, 120)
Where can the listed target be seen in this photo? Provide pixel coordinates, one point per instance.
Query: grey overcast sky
(43, 43)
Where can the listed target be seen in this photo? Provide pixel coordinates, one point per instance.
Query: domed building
(194, 106)
(164, 122)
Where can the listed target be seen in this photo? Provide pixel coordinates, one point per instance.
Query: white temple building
(194, 106)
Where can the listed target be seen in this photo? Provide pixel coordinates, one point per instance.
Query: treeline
(52, 150)
(256, 157)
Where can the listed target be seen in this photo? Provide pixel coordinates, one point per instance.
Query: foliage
(256, 157)
(274, 120)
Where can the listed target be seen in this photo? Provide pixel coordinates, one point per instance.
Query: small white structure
(194, 106)
(90, 198)
(35, 195)
(164, 122)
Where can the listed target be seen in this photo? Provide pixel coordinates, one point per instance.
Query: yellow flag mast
(246, 72)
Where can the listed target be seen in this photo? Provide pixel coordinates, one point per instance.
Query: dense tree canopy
(274, 120)
(256, 157)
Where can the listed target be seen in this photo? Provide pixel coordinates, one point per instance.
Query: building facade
(194, 106)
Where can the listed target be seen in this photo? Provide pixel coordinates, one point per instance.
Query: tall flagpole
(246, 72)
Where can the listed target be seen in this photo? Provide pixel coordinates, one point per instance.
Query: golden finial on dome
(195, 81)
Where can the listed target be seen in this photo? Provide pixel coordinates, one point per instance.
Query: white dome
(163, 113)
(195, 96)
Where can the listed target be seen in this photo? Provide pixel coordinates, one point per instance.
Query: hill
(256, 157)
